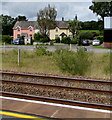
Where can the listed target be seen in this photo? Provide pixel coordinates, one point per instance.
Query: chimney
(62, 18)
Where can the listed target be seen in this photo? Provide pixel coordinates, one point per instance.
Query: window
(56, 29)
(18, 29)
(56, 36)
(18, 35)
(30, 36)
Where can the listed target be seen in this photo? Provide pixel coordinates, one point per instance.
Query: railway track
(60, 92)
(51, 80)
(53, 100)
(97, 92)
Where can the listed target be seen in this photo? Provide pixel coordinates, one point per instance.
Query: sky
(65, 9)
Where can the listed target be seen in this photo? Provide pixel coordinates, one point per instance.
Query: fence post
(4, 47)
(18, 56)
(70, 46)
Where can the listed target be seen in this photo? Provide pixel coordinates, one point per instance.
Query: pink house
(26, 29)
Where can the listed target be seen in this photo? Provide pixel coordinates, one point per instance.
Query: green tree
(7, 24)
(46, 19)
(74, 26)
(21, 18)
(37, 37)
(102, 8)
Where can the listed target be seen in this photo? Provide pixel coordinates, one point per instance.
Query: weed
(71, 62)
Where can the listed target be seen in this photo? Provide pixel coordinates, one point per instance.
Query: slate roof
(26, 24)
(62, 24)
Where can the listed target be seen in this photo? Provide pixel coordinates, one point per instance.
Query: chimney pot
(62, 18)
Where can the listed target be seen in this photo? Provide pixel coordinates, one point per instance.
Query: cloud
(64, 9)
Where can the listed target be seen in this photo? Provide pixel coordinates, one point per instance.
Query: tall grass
(62, 62)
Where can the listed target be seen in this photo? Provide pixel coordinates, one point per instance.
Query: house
(28, 28)
(25, 29)
(61, 30)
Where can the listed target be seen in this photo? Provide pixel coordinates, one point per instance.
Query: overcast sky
(64, 9)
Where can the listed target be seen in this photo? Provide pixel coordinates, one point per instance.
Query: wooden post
(70, 46)
(4, 47)
(18, 56)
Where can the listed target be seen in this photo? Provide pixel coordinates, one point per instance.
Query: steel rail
(54, 77)
(57, 87)
(59, 101)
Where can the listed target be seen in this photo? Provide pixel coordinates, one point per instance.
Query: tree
(74, 26)
(102, 8)
(21, 18)
(7, 24)
(89, 25)
(46, 19)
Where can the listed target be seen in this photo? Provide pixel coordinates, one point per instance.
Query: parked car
(18, 41)
(96, 42)
(85, 43)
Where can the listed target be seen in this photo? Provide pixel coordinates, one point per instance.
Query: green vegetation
(6, 39)
(61, 62)
(66, 40)
(97, 31)
(71, 62)
(40, 38)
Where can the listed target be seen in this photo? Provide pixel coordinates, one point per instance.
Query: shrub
(71, 62)
(37, 37)
(40, 51)
(101, 38)
(6, 39)
(44, 39)
(74, 41)
(57, 40)
(86, 35)
(66, 40)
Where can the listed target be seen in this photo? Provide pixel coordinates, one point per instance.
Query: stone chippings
(58, 93)
(59, 82)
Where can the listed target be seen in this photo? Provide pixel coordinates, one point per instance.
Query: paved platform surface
(12, 115)
(51, 110)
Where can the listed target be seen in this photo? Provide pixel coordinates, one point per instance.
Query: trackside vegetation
(62, 62)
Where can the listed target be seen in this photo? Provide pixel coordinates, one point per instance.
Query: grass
(101, 47)
(97, 31)
(33, 63)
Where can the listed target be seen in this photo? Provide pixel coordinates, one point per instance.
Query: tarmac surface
(51, 110)
(53, 48)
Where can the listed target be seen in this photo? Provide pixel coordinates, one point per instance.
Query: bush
(37, 37)
(86, 35)
(74, 41)
(71, 62)
(44, 39)
(6, 39)
(57, 40)
(40, 51)
(66, 40)
(101, 38)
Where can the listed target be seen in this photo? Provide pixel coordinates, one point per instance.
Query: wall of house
(53, 32)
(16, 32)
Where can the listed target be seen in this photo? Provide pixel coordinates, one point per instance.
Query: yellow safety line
(20, 115)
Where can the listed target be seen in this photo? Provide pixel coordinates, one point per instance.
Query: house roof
(62, 24)
(25, 24)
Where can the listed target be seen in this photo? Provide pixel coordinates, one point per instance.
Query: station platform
(50, 110)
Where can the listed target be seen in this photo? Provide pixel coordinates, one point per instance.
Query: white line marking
(55, 112)
(56, 104)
